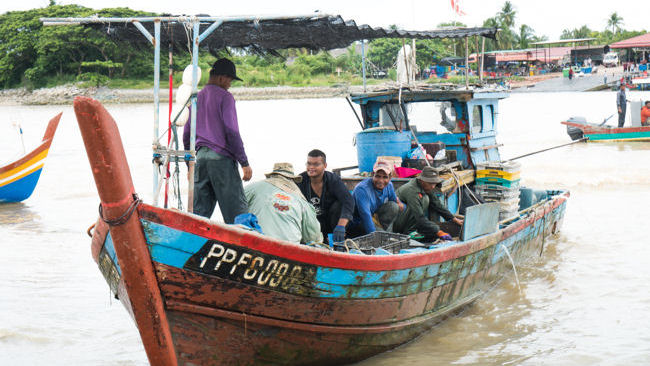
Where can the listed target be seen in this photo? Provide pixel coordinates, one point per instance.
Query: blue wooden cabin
(464, 120)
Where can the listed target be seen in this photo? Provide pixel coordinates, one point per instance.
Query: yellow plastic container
(490, 173)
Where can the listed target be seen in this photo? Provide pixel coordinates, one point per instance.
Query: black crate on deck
(391, 242)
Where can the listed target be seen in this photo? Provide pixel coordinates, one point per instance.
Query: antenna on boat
(20, 132)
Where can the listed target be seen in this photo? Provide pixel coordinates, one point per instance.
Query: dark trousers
(430, 229)
(386, 215)
(621, 118)
(329, 220)
(217, 179)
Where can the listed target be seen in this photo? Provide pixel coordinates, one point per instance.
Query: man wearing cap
(280, 207)
(420, 204)
(219, 147)
(327, 193)
(375, 198)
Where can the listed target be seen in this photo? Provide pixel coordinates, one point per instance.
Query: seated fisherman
(327, 193)
(645, 114)
(420, 204)
(375, 202)
(280, 207)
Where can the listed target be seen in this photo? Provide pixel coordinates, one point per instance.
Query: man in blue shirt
(375, 199)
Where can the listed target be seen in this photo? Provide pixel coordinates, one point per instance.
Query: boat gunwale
(196, 225)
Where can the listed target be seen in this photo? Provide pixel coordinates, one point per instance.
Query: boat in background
(18, 179)
(578, 128)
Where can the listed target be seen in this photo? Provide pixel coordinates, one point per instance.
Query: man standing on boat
(280, 207)
(375, 202)
(420, 204)
(219, 147)
(621, 104)
(327, 193)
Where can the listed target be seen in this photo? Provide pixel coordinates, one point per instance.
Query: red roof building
(642, 41)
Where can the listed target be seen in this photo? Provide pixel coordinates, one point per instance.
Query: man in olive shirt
(420, 202)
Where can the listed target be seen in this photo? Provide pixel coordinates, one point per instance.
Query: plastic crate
(391, 242)
(497, 193)
(498, 182)
(491, 173)
(510, 167)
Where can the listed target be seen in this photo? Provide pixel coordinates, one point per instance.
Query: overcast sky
(547, 17)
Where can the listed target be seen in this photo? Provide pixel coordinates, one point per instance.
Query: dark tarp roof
(319, 32)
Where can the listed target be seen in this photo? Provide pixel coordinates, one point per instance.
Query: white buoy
(183, 93)
(187, 75)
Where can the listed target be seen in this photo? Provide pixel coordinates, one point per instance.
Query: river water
(586, 301)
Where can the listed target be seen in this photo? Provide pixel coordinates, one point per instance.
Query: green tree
(615, 21)
(525, 36)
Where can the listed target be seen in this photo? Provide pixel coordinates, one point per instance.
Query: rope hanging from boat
(125, 216)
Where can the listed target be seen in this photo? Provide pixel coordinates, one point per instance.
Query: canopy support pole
(363, 63)
(466, 63)
(156, 105)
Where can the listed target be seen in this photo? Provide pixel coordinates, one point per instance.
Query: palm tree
(615, 21)
(525, 36)
(507, 15)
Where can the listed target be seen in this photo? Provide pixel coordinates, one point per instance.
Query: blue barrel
(374, 143)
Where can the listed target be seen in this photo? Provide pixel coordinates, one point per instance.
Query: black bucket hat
(430, 175)
(223, 66)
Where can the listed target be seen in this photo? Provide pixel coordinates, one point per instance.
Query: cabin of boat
(460, 121)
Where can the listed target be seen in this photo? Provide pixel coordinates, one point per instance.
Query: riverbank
(65, 94)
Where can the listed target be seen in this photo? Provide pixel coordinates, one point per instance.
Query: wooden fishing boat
(18, 179)
(206, 293)
(578, 128)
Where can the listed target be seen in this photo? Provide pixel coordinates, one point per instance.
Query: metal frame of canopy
(197, 38)
(194, 22)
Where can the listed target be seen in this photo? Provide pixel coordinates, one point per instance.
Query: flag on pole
(455, 5)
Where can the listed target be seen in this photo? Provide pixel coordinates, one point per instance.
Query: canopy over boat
(315, 31)
(259, 33)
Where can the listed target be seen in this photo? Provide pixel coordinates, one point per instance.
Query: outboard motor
(574, 132)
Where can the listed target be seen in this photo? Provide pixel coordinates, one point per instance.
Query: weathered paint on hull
(604, 133)
(219, 318)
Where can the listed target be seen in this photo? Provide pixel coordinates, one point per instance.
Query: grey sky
(548, 17)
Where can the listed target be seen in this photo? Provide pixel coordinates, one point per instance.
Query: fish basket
(391, 242)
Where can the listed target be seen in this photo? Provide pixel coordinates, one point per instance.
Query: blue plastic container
(374, 143)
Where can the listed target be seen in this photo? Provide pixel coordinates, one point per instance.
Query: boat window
(477, 118)
(391, 115)
(439, 117)
(489, 118)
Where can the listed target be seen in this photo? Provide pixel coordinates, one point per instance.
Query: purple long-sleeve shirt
(217, 127)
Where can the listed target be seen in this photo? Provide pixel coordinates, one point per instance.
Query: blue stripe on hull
(170, 246)
(21, 189)
(173, 247)
(110, 250)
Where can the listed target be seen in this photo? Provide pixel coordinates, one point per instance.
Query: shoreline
(64, 94)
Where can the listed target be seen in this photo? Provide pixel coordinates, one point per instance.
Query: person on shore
(219, 147)
(421, 203)
(376, 205)
(570, 72)
(281, 209)
(621, 104)
(325, 191)
(645, 114)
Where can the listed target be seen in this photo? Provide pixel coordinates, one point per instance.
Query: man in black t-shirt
(325, 191)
